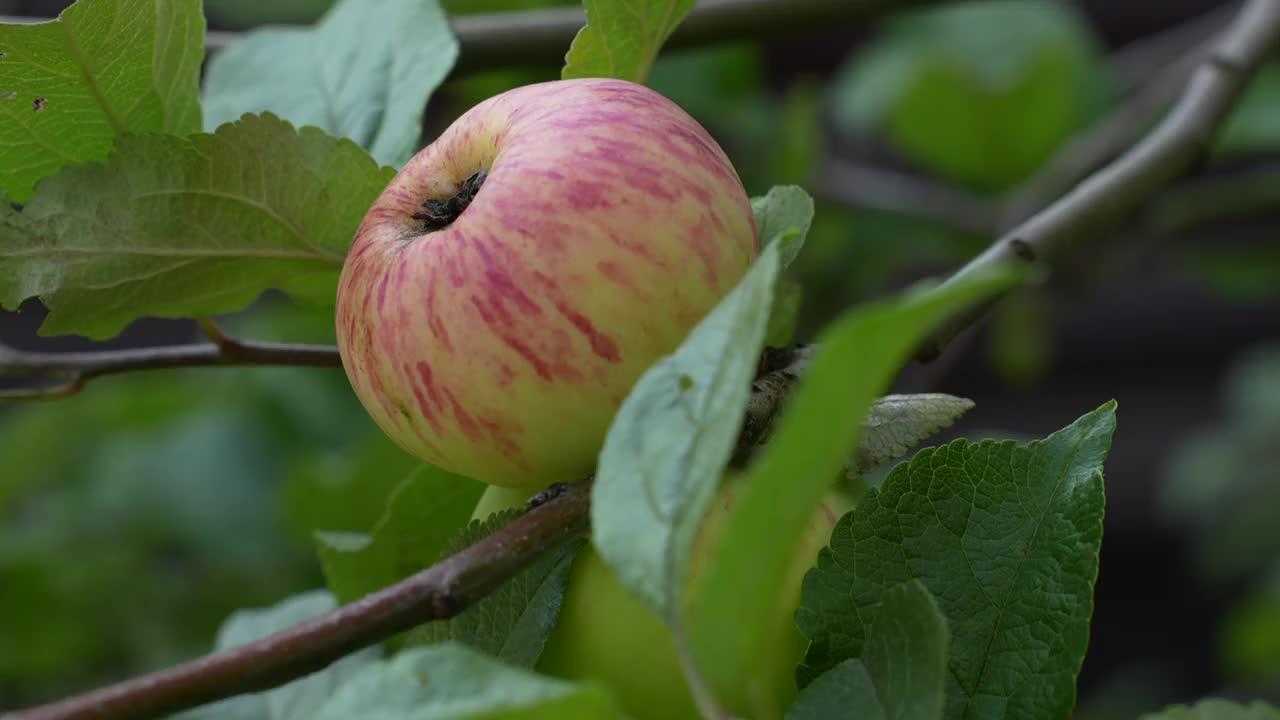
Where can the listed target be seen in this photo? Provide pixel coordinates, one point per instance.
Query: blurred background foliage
(136, 515)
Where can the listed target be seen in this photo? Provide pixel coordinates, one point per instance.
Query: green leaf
(1254, 125)
(70, 88)
(300, 699)
(1215, 709)
(1020, 337)
(671, 439)
(1250, 634)
(175, 227)
(1014, 79)
(511, 623)
(783, 216)
(788, 297)
(345, 488)
(365, 72)
(845, 690)
(428, 508)
(622, 39)
(902, 672)
(1006, 536)
(1221, 482)
(855, 361)
(897, 423)
(454, 682)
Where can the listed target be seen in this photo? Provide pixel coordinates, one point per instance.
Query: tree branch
(1170, 56)
(72, 370)
(858, 185)
(541, 37)
(1180, 140)
(439, 592)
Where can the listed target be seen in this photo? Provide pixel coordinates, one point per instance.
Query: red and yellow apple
(516, 277)
(605, 634)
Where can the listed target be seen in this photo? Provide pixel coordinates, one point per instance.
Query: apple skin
(500, 346)
(605, 634)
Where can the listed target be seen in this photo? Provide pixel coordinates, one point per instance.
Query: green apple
(605, 634)
(517, 276)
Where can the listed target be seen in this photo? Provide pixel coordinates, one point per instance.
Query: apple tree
(561, 383)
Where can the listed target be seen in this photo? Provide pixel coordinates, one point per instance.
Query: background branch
(541, 37)
(1177, 143)
(69, 371)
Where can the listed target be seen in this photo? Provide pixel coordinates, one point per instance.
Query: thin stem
(69, 371)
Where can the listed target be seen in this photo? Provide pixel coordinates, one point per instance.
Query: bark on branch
(66, 373)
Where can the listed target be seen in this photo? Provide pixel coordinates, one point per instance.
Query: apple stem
(439, 214)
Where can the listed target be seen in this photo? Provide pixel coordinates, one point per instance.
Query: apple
(516, 277)
(605, 634)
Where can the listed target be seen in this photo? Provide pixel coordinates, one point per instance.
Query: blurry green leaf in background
(139, 513)
(977, 93)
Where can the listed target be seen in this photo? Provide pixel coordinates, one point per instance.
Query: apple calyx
(440, 214)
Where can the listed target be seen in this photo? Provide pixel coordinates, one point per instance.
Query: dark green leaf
(1019, 337)
(513, 622)
(1251, 633)
(428, 509)
(1006, 536)
(1214, 709)
(1255, 123)
(670, 441)
(177, 227)
(454, 682)
(1221, 485)
(70, 88)
(300, 699)
(856, 360)
(622, 39)
(903, 668)
(364, 72)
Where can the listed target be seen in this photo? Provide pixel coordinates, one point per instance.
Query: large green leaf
(422, 515)
(296, 700)
(902, 672)
(665, 452)
(856, 360)
(69, 88)
(1006, 536)
(175, 227)
(454, 682)
(365, 71)
(622, 39)
(511, 623)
